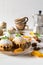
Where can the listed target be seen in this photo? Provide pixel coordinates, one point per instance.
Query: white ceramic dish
(29, 50)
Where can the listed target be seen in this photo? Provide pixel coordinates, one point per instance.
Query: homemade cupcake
(11, 30)
(1, 32)
(3, 26)
(5, 44)
(20, 42)
(9, 35)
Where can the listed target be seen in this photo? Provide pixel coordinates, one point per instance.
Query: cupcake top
(19, 39)
(5, 40)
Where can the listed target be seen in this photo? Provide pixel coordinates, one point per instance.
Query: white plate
(29, 50)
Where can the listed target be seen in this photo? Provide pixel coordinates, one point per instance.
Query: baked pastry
(11, 30)
(20, 42)
(3, 25)
(1, 32)
(5, 44)
(10, 36)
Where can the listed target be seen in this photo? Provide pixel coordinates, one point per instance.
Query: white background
(9, 11)
(12, 9)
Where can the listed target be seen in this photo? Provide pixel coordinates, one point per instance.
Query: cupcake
(9, 35)
(1, 32)
(3, 26)
(11, 30)
(21, 42)
(5, 44)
